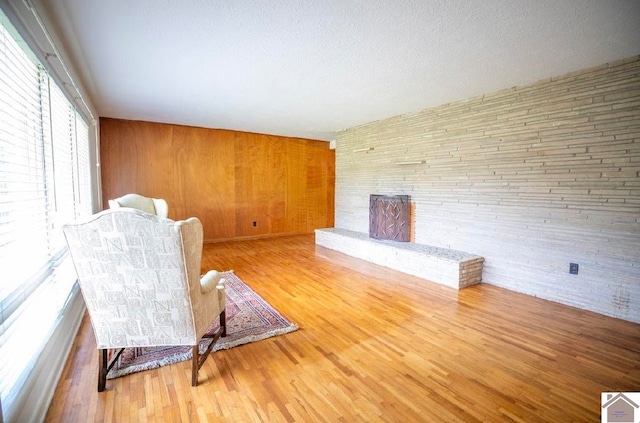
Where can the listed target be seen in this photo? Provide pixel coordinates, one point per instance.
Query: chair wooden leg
(102, 369)
(195, 353)
(223, 322)
(105, 364)
(197, 359)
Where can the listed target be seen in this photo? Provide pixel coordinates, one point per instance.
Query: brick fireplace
(389, 244)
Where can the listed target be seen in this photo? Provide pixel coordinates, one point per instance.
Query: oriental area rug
(249, 319)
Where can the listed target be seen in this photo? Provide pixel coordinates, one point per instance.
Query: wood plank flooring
(374, 345)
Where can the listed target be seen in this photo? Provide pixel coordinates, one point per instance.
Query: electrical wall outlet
(573, 268)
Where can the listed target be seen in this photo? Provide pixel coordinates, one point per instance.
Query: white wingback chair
(140, 277)
(156, 206)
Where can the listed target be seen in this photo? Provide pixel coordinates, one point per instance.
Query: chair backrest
(137, 272)
(156, 206)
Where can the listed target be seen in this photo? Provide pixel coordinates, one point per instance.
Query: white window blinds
(44, 182)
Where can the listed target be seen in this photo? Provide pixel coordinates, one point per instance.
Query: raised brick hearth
(452, 268)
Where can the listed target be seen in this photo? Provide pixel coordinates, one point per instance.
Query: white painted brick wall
(531, 178)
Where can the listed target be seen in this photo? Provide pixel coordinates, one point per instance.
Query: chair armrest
(209, 281)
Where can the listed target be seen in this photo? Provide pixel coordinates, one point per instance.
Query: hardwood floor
(374, 345)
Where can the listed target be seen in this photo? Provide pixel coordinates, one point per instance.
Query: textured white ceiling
(309, 68)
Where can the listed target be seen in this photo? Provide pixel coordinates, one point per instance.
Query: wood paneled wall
(228, 179)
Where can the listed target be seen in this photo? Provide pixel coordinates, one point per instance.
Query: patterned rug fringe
(254, 338)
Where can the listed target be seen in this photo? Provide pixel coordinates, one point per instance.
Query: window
(44, 182)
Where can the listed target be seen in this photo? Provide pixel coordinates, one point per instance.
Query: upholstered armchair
(156, 206)
(140, 277)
